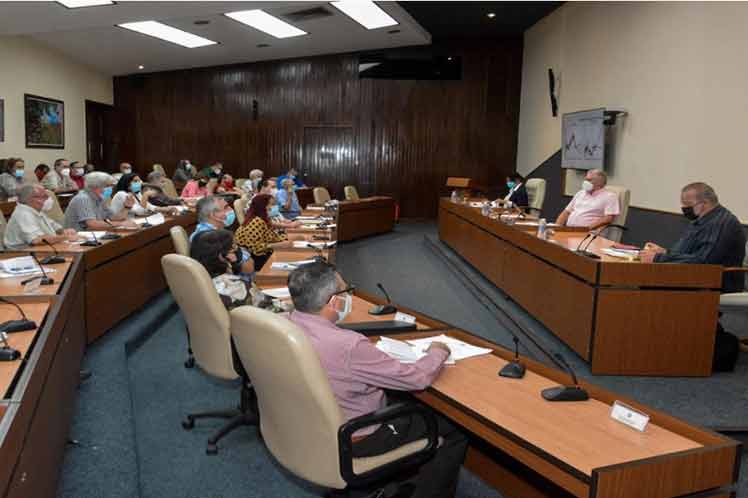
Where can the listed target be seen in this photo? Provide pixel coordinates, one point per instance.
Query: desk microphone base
(9, 354)
(588, 254)
(53, 260)
(513, 370)
(565, 393)
(383, 309)
(47, 281)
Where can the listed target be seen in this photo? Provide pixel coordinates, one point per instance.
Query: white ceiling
(89, 34)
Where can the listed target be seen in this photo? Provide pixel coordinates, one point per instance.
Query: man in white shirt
(29, 223)
(124, 169)
(58, 180)
(593, 206)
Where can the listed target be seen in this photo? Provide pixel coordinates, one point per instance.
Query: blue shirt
(206, 227)
(296, 180)
(282, 198)
(201, 227)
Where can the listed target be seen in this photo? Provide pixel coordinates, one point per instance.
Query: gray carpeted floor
(128, 415)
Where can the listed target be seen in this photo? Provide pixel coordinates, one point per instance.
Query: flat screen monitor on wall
(583, 139)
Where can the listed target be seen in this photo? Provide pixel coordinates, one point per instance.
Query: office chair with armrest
(159, 169)
(321, 195)
(210, 339)
(624, 199)
(3, 226)
(240, 208)
(56, 212)
(301, 422)
(240, 182)
(535, 195)
(351, 193)
(736, 302)
(180, 240)
(169, 188)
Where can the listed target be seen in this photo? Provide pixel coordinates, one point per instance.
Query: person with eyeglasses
(359, 374)
(30, 225)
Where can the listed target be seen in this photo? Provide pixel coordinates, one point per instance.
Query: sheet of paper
(621, 253)
(89, 236)
(277, 292)
(315, 208)
(154, 219)
(288, 266)
(303, 244)
(460, 349)
(22, 265)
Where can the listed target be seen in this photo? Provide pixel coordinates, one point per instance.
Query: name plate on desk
(404, 317)
(629, 416)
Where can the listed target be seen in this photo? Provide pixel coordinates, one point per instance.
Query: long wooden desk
(527, 447)
(365, 217)
(123, 275)
(39, 389)
(623, 318)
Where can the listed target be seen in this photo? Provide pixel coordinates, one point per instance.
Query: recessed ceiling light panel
(75, 4)
(491, 15)
(266, 23)
(167, 33)
(366, 13)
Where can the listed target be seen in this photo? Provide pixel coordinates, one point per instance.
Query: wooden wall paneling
(407, 136)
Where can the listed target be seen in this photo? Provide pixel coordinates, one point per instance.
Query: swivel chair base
(246, 414)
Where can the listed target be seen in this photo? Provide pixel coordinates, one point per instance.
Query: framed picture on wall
(2, 120)
(45, 122)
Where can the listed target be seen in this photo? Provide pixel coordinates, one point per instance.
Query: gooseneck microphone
(515, 369)
(565, 393)
(320, 257)
(52, 260)
(91, 243)
(383, 309)
(595, 234)
(108, 235)
(11, 326)
(45, 280)
(7, 353)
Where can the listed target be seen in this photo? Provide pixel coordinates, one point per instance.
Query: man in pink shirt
(359, 373)
(593, 206)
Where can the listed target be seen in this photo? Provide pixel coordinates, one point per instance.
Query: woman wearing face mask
(216, 251)
(130, 187)
(199, 187)
(225, 185)
(12, 177)
(517, 193)
(257, 234)
(77, 171)
(278, 221)
(184, 173)
(41, 171)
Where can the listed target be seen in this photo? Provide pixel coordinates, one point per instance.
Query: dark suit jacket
(519, 197)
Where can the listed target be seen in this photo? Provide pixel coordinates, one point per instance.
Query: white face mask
(65, 171)
(79, 171)
(126, 171)
(346, 308)
(587, 186)
(48, 204)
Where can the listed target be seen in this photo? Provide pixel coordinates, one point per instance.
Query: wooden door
(101, 140)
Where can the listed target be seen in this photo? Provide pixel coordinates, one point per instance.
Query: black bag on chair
(726, 350)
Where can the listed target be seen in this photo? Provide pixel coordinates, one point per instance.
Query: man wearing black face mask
(715, 236)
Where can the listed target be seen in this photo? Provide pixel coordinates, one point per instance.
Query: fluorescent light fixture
(266, 23)
(164, 32)
(366, 13)
(75, 4)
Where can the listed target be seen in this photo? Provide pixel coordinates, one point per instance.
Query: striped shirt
(86, 205)
(717, 238)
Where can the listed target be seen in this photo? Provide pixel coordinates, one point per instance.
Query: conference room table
(622, 317)
(122, 275)
(360, 218)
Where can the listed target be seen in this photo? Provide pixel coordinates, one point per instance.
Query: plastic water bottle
(485, 209)
(453, 197)
(542, 226)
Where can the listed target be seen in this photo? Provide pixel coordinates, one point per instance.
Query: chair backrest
(3, 224)
(321, 195)
(351, 193)
(535, 193)
(299, 416)
(169, 188)
(240, 208)
(56, 212)
(240, 182)
(160, 169)
(206, 317)
(180, 240)
(624, 198)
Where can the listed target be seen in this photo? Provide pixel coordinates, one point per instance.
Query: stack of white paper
(315, 208)
(277, 292)
(399, 350)
(460, 349)
(90, 235)
(22, 265)
(621, 253)
(303, 244)
(288, 266)
(154, 219)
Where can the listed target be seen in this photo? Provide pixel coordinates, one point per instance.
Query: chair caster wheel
(188, 423)
(212, 449)
(189, 363)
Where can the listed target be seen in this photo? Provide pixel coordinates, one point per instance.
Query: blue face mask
(229, 219)
(274, 212)
(19, 173)
(510, 185)
(135, 187)
(107, 193)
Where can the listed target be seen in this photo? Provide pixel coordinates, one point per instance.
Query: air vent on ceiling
(307, 14)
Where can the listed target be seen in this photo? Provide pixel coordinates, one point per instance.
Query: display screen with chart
(583, 139)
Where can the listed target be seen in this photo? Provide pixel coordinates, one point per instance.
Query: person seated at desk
(517, 194)
(11, 177)
(184, 173)
(153, 191)
(29, 224)
(89, 209)
(593, 206)
(252, 186)
(213, 171)
(292, 175)
(77, 172)
(214, 213)
(129, 187)
(200, 186)
(41, 171)
(257, 234)
(58, 180)
(715, 236)
(225, 185)
(124, 169)
(359, 374)
(287, 200)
